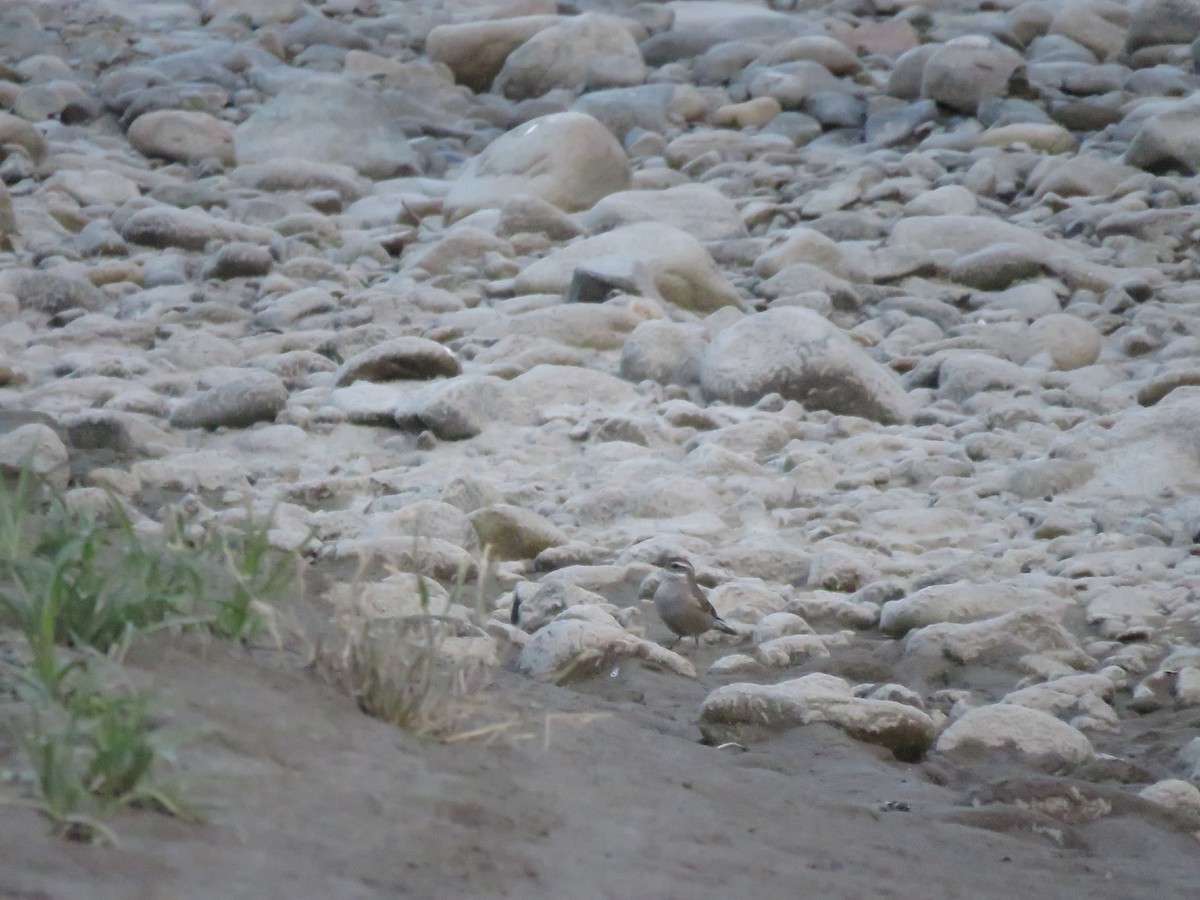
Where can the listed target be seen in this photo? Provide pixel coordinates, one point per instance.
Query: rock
(1173, 793)
(1088, 29)
(239, 259)
(257, 12)
(236, 403)
(1045, 137)
(1085, 699)
(1150, 450)
(1168, 140)
(704, 213)
(294, 174)
(430, 557)
(967, 70)
(584, 52)
(1003, 638)
(781, 624)
(747, 712)
(523, 214)
(406, 358)
(456, 409)
(182, 136)
(37, 449)
(799, 355)
(1162, 22)
(514, 532)
(187, 229)
(1068, 340)
(657, 108)
(568, 159)
(791, 649)
(572, 648)
(1034, 737)
(476, 51)
(963, 602)
(678, 265)
(327, 119)
(8, 222)
(15, 130)
(53, 293)
(941, 239)
(803, 245)
(754, 113)
(663, 351)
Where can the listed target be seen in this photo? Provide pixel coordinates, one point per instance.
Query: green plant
(97, 582)
(79, 588)
(94, 753)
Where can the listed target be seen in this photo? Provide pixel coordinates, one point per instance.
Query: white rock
(680, 268)
(749, 711)
(1173, 793)
(1036, 737)
(963, 602)
(576, 647)
(1006, 637)
(800, 355)
(568, 159)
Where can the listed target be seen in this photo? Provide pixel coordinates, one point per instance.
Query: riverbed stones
(897, 342)
(584, 52)
(799, 355)
(237, 402)
(747, 712)
(568, 159)
(681, 270)
(1034, 737)
(476, 51)
(183, 136)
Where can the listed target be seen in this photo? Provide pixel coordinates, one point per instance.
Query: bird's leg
(671, 646)
(696, 638)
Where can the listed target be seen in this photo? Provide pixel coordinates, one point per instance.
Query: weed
(94, 753)
(97, 582)
(80, 588)
(404, 670)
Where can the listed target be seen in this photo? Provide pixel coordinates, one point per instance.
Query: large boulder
(568, 159)
(674, 262)
(580, 53)
(967, 70)
(741, 712)
(476, 51)
(800, 355)
(1031, 735)
(1169, 139)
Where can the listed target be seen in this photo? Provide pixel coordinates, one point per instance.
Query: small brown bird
(681, 604)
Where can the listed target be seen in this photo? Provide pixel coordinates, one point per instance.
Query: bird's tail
(722, 625)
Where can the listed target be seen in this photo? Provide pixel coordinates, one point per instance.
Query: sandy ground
(598, 790)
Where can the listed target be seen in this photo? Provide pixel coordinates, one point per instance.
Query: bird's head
(677, 565)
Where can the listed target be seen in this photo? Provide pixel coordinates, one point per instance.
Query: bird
(681, 604)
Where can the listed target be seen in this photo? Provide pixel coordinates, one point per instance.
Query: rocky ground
(881, 313)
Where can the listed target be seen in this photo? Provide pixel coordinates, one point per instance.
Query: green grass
(80, 589)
